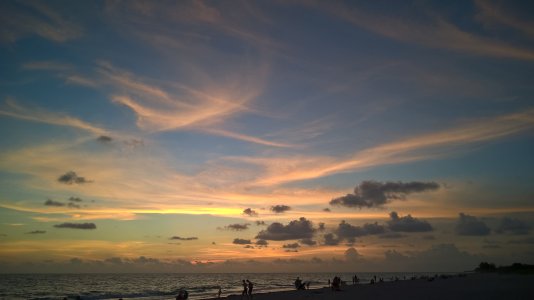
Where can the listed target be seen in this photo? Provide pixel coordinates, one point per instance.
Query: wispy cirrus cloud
(493, 13)
(34, 114)
(278, 170)
(435, 33)
(21, 19)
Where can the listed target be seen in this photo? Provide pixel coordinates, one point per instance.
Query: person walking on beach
(219, 293)
(245, 289)
(250, 287)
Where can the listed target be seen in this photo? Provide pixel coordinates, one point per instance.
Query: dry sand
(473, 287)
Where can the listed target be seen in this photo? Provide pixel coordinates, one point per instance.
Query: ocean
(163, 286)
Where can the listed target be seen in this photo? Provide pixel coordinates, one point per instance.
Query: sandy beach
(473, 286)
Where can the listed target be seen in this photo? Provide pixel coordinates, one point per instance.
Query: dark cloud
(391, 235)
(470, 225)
(280, 208)
(71, 177)
(291, 246)
(146, 260)
(442, 258)
(331, 239)
(250, 212)
(104, 139)
(296, 229)
(236, 227)
(260, 223)
(321, 226)
(352, 254)
(75, 261)
(349, 232)
(407, 224)
(50, 202)
(238, 241)
(75, 199)
(192, 238)
(73, 205)
(262, 243)
(375, 194)
(76, 225)
(513, 226)
(249, 246)
(308, 242)
(36, 232)
(327, 209)
(114, 260)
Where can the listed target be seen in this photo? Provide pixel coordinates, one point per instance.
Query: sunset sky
(230, 136)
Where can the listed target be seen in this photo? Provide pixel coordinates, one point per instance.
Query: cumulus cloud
(73, 205)
(352, 254)
(50, 202)
(262, 243)
(513, 226)
(296, 229)
(75, 199)
(250, 212)
(291, 246)
(104, 139)
(331, 239)
(349, 232)
(470, 225)
(239, 241)
(192, 238)
(236, 227)
(407, 224)
(308, 242)
(375, 194)
(280, 208)
(391, 235)
(71, 177)
(76, 225)
(442, 258)
(36, 232)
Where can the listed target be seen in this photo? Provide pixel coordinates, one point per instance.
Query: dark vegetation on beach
(517, 268)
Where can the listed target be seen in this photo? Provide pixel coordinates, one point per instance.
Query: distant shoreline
(471, 286)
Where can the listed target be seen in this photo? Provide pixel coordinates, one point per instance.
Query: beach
(472, 286)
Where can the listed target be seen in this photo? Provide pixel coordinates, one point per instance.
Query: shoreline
(469, 286)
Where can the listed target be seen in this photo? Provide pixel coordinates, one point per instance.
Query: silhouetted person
(219, 293)
(182, 295)
(308, 285)
(336, 282)
(299, 285)
(250, 287)
(328, 282)
(245, 289)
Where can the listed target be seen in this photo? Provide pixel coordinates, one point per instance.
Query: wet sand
(473, 287)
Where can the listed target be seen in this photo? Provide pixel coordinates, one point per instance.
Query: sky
(245, 136)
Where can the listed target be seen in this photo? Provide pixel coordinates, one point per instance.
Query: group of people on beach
(248, 286)
(300, 285)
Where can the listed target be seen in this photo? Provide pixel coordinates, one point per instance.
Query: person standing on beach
(219, 293)
(245, 289)
(250, 287)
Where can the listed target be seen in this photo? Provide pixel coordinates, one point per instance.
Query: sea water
(164, 286)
